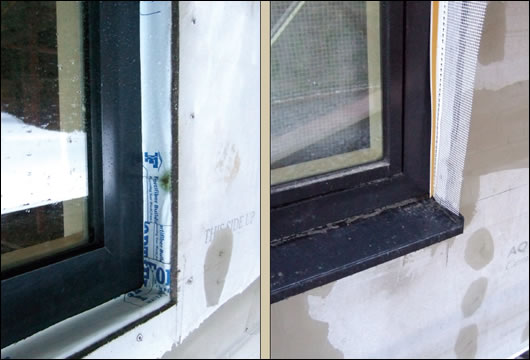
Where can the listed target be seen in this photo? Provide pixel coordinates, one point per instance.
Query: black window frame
(355, 190)
(58, 288)
(308, 215)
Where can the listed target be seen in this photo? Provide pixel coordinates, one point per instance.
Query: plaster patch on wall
(474, 296)
(509, 26)
(359, 311)
(218, 148)
(222, 335)
(480, 249)
(216, 265)
(411, 269)
(448, 244)
(309, 338)
(437, 250)
(322, 291)
(466, 342)
(497, 158)
(228, 163)
(369, 313)
(235, 169)
(493, 33)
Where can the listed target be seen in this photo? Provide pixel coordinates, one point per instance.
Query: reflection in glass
(325, 87)
(44, 147)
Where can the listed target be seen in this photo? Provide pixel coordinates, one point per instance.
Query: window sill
(341, 249)
(81, 334)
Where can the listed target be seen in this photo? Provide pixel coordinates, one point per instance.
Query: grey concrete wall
(466, 297)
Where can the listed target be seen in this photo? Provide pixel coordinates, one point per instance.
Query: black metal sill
(327, 254)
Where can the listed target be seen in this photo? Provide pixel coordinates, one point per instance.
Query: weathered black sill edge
(318, 259)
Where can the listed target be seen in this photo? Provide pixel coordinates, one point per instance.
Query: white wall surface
(219, 152)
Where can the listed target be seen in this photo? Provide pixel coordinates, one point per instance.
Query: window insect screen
(459, 32)
(320, 81)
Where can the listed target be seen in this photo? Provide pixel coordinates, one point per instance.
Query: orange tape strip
(434, 44)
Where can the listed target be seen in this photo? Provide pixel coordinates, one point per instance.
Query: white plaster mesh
(460, 28)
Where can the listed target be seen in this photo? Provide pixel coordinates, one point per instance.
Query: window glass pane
(325, 87)
(44, 143)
